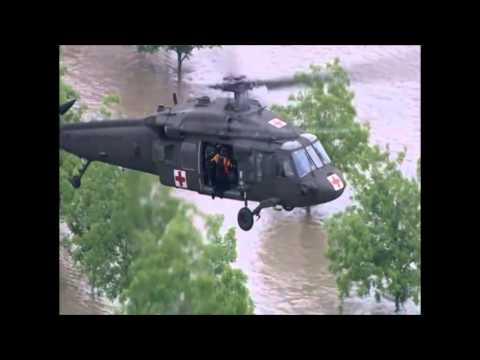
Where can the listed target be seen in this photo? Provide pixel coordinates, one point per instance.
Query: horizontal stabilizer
(66, 106)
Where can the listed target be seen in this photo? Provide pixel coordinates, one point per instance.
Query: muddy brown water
(284, 254)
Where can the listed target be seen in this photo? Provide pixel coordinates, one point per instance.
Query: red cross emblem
(180, 178)
(277, 123)
(335, 181)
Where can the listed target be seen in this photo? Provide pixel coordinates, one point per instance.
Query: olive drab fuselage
(171, 144)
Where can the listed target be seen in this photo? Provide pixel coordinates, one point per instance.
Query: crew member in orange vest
(223, 167)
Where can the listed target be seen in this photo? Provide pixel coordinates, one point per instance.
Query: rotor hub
(236, 84)
(239, 85)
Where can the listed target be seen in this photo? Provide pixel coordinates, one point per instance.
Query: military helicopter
(276, 164)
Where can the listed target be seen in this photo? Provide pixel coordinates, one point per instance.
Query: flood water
(284, 254)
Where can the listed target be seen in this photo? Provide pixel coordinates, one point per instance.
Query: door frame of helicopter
(233, 193)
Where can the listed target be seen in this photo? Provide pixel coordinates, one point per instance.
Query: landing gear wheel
(245, 219)
(76, 182)
(288, 208)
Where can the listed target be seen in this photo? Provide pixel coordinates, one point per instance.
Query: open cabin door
(208, 149)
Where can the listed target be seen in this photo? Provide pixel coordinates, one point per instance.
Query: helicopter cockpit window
(314, 156)
(291, 145)
(309, 137)
(321, 150)
(302, 163)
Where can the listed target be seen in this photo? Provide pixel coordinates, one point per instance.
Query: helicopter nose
(333, 184)
(326, 185)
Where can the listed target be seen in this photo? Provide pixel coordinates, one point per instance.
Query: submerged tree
(182, 52)
(374, 246)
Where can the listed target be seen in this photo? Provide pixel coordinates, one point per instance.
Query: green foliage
(178, 273)
(325, 109)
(97, 217)
(231, 293)
(375, 244)
(223, 247)
(108, 102)
(67, 93)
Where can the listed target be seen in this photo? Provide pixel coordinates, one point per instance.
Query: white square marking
(180, 178)
(335, 181)
(277, 123)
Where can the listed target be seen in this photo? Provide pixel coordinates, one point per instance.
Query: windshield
(321, 151)
(314, 156)
(302, 164)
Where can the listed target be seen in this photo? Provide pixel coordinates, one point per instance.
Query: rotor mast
(238, 85)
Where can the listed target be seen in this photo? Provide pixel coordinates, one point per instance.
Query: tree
(183, 52)
(231, 294)
(325, 108)
(178, 273)
(105, 215)
(101, 236)
(374, 245)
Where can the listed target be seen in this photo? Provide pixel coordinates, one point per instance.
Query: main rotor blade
(303, 79)
(278, 83)
(371, 71)
(66, 106)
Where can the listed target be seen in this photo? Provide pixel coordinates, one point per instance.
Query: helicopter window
(268, 165)
(291, 145)
(314, 156)
(189, 155)
(321, 151)
(259, 166)
(283, 165)
(287, 168)
(302, 163)
(309, 137)
(158, 151)
(169, 152)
